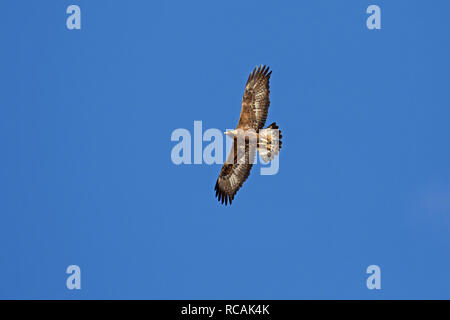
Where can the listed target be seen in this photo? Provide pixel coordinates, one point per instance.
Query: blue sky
(86, 176)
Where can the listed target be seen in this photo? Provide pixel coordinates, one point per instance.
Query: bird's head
(231, 133)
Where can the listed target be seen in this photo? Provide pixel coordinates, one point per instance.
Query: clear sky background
(86, 176)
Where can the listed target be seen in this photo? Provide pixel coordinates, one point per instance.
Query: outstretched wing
(235, 171)
(255, 102)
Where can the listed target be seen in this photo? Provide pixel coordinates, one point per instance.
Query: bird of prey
(249, 136)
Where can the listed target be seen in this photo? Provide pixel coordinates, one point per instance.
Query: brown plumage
(255, 102)
(255, 105)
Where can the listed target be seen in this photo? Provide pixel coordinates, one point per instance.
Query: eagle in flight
(249, 136)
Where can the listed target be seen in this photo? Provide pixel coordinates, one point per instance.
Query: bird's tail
(269, 142)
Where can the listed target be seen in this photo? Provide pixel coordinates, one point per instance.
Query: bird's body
(249, 136)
